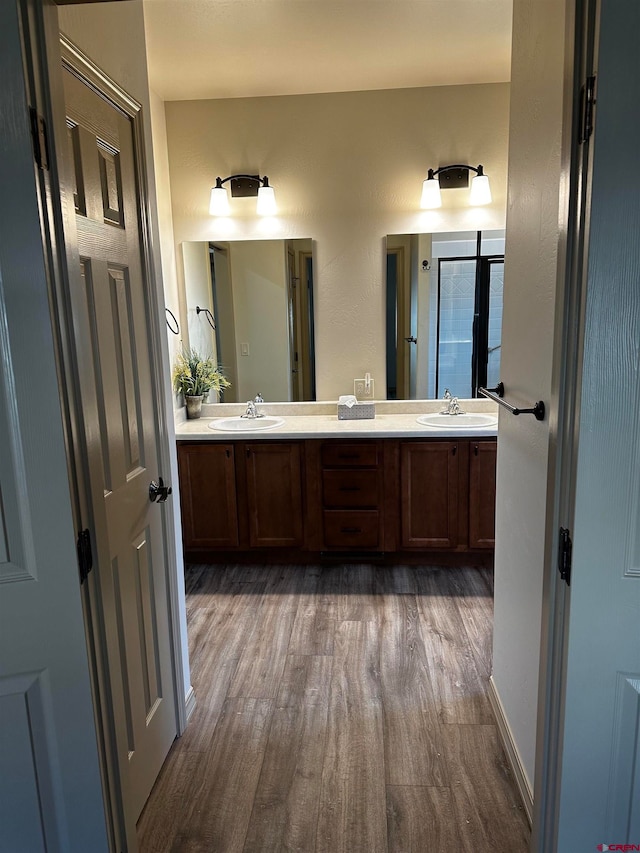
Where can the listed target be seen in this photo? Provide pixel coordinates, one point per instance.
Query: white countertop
(320, 420)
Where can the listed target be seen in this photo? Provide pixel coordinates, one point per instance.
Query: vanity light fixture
(453, 177)
(243, 186)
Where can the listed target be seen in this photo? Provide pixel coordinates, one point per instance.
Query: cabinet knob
(475, 449)
(454, 449)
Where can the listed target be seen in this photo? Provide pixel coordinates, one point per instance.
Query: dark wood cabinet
(297, 498)
(274, 494)
(351, 477)
(448, 494)
(482, 494)
(208, 498)
(430, 494)
(241, 495)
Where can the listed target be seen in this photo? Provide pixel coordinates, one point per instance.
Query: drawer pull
(350, 530)
(350, 489)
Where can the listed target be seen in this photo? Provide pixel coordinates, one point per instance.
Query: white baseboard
(190, 702)
(511, 751)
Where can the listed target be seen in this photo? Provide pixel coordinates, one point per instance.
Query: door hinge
(85, 555)
(565, 548)
(39, 139)
(587, 105)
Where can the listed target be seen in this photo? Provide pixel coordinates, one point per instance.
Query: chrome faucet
(252, 408)
(453, 406)
(251, 411)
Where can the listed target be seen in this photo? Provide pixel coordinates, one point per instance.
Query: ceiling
(251, 48)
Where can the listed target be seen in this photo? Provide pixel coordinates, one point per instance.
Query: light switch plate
(361, 391)
(244, 349)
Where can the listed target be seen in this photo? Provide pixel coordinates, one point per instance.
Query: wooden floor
(339, 708)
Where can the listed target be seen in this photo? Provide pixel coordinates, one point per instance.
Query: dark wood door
(208, 495)
(482, 494)
(429, 474)
(274, 494)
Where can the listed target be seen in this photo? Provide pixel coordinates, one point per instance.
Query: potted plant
(194, 375)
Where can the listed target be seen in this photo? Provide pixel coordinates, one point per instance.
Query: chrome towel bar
(496, 394)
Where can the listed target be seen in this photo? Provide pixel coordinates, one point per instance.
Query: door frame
(53, 53)
(564, 432)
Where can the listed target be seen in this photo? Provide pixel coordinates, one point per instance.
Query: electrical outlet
(361, 391)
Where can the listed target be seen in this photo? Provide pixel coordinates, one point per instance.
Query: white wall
(527, 350)
(112, 35)
(347, 169)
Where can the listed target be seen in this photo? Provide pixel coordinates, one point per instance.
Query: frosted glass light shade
(480, 190)
(219, 203)
(431, 197)
(266, 205)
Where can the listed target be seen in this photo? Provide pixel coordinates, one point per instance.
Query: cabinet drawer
(351, 528)
(349, 455)
(350, 488)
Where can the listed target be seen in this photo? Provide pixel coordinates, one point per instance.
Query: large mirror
(256, 314)
(443, 313)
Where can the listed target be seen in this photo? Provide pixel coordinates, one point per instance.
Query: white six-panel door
(111, 319)
(600, 777)
(50, 787)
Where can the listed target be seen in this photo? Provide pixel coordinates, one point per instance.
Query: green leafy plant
(193, 374)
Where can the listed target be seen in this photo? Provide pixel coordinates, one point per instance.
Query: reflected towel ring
(176, 330)
(210, 318)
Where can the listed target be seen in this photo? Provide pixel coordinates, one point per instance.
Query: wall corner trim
(511, 751)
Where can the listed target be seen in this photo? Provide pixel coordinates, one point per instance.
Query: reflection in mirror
(444, 313)
(260, 295)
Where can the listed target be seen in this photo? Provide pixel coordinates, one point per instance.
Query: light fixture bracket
(453, 177)
(245, 186)
(456, 176)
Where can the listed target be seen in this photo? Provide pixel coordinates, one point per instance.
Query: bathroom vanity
(318, 487)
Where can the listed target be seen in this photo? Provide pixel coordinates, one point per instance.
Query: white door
(599, 786)
(50, 787)
(110, 305)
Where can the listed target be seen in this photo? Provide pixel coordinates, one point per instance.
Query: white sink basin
(240, 424)
(462, 421)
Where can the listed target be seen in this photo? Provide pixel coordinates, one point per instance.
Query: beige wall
(347, 169)
(527, 352)
(173, 295)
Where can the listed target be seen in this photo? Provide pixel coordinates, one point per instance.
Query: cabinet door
(482, 494)
(429, 473)
(208, 495)
(274, 494)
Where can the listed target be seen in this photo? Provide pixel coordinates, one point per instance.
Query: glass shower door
(456, 304)
(494, 338)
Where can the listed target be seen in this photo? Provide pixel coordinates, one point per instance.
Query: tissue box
(358, 412)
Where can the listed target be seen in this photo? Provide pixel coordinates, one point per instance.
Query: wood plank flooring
(339, 708)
